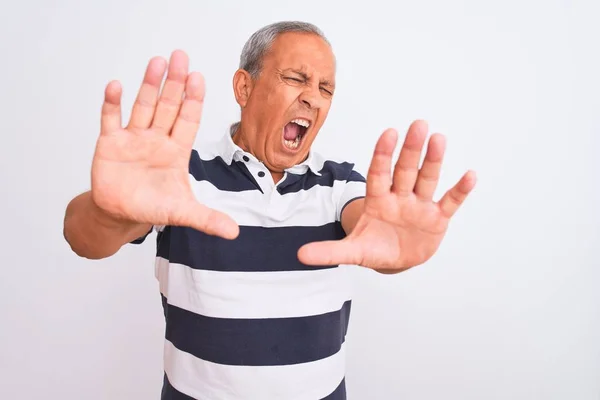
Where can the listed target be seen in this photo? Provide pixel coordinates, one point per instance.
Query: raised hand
(400, 225)
(140, 172)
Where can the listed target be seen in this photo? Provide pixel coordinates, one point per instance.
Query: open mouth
(294, 132)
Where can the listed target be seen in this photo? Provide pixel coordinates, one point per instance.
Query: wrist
(110, 221)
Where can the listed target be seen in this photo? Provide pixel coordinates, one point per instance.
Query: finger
(205, 219)
(429, 175)
(407, 166)
(145, 102)
(379, 178)
(110, 119)
(330, 252)
(171, 97)
(188, 120)
(455, 197)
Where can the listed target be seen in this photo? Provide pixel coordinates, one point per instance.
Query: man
(251, 230)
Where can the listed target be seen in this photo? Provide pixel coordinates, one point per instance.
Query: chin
(281, 159)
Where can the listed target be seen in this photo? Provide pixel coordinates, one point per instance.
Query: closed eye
(294, 79)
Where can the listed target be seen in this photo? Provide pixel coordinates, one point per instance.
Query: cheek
(281, 97)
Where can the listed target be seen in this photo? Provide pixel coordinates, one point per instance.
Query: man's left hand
(398, 225)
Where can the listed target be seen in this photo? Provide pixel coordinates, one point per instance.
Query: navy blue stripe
(170, 393)
(339, 393)
(356, 177)
(231, 178)
(330, 173)
(236, 177)
(255, 249)
(257, 342)
(340, 171)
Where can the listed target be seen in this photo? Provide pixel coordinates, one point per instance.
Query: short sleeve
(354, 188)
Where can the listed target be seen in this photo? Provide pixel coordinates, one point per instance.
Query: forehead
(300, 50)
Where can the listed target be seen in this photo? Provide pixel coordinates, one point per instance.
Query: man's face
(289, 101)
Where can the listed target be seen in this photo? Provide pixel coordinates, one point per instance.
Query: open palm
(400, 225)
(140, 172)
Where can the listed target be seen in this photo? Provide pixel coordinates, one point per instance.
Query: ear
(242, 86)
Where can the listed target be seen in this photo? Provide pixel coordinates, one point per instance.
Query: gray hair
(260, 43)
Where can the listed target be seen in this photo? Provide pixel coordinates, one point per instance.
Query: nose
(306, 102)
(310, 98)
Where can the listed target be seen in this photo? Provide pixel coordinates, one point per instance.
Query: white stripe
(256, 294)
(205, 380)
(313, 207)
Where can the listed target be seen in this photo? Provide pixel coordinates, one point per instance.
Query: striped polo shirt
(244, 318)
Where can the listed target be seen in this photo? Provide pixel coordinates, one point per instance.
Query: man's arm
(92, 233)
(351, 213)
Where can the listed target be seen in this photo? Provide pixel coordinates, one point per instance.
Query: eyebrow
(326, 82)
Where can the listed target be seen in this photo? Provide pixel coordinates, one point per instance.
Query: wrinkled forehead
(302, 51)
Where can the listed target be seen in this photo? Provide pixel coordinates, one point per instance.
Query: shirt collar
(230, 152)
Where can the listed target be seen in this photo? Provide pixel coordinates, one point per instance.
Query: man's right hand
(140, 172)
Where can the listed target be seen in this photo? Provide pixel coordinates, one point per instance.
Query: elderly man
(251, 230)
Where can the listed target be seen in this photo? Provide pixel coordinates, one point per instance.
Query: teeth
(301, 122)
(292, 144)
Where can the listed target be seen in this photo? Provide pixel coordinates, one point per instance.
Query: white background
(508, 308)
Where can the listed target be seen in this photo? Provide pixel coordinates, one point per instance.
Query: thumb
(210, 221)
(330, 252)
